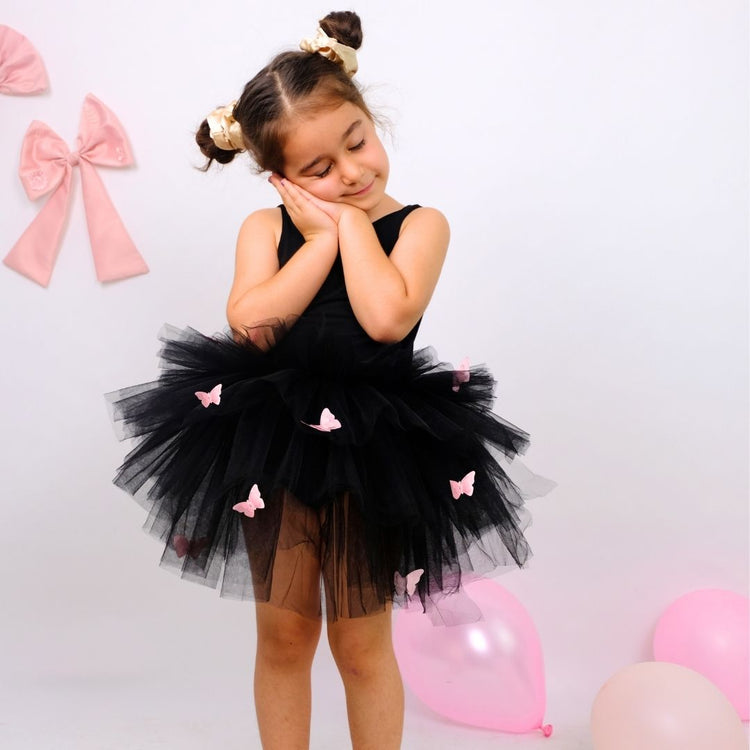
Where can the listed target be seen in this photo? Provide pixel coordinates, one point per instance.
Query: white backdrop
(592, 159)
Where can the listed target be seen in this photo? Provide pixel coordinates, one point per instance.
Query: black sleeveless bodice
(327, 338)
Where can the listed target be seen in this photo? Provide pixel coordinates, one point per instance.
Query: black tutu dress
(324, 456)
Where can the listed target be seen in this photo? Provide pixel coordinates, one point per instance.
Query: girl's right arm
(262, 291)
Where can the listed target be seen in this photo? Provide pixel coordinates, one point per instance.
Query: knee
(359, 653)
(287, 639)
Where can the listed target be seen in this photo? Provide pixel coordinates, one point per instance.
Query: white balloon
(662, 706)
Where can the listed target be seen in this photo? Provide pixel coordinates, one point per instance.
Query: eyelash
(325, 172)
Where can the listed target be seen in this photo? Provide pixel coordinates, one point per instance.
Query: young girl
(312, 451)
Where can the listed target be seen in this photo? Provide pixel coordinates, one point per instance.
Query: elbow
(235, 323)
(250, 337)
(241, 315)
(385, 337)
(237, 318)
(389, 330)
(261, 335)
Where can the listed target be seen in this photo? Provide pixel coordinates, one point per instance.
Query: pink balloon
(488, 673)
(660, 706)
(709, 631)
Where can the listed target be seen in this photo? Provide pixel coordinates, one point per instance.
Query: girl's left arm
(389, 294)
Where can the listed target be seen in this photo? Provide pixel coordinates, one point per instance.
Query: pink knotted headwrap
(21, 68)
(47, 166)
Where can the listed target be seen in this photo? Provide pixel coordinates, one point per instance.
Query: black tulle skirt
(264, 496)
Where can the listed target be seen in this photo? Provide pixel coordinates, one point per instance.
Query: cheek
(322, 189)
(380, 158)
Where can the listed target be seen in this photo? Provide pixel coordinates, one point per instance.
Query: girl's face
(337, 156)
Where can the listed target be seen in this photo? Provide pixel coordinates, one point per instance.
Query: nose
(350, 170)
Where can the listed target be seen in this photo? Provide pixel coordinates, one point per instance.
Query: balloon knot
(547, 730)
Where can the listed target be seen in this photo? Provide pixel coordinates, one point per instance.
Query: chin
(362, 205)
(369, 200)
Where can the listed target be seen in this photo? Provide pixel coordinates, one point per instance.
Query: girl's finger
(296, 199)
(330, 209)
(291, 200)
(307, 195)
(317, 202)
(275, 182)
(299, 193)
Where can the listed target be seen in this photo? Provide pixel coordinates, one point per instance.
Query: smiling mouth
(364, 189)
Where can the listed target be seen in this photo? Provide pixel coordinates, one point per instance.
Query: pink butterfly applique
(407, 584)
(183, 546)
(253, 502)
(212, 397)
(464, 486)
(461, 373)
(327, 422)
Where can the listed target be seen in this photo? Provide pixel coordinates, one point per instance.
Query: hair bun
(209, 148)
(344, 26)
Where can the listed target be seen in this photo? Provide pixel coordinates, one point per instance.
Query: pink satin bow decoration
(463, 486)
(407, 584)
(211, 397)
(461, 374)
(327, 423)
(254, 502)
(21, 67)
(184, 546)
(47, 166)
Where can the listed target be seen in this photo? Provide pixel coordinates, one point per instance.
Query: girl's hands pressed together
(335, 210)
(311, 220)
(302, 204)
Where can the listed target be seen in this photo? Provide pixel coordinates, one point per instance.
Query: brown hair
(293, 84)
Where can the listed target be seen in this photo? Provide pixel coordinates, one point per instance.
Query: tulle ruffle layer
(385, 493)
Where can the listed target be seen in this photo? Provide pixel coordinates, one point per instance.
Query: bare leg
(286, 646)
(363, 651)
(289, 626)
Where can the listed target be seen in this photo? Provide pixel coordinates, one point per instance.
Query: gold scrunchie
(226, 132)
(327, 46)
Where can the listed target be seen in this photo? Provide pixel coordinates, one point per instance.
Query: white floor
(149, 712)
(104, 683)
(176, 674)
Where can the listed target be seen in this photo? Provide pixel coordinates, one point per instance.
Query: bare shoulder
(422, 246)
(256, 257)
(429, 227)
(263, 223)
(427, 220)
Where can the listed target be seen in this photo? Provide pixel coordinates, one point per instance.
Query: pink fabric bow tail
(46, 166)
(21, 68)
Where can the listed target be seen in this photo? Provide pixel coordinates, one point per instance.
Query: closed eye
(324, 173)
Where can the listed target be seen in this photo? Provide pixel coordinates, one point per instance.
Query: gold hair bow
(333, 50)
(226, 132)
